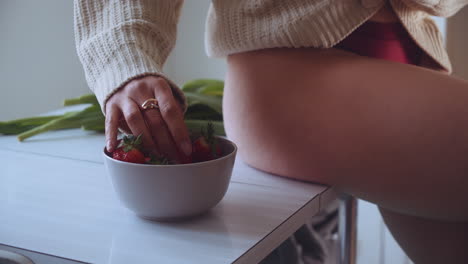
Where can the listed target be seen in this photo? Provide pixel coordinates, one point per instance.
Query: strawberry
(216, 150)
(201, 150)
(206, 146)
(133, 155)
(118, 154)
(129, 150)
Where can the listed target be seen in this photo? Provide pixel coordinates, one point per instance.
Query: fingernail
(186, 147)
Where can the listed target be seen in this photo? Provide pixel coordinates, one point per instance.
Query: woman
(388, 132)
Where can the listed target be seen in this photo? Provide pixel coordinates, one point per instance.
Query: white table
(56, 198)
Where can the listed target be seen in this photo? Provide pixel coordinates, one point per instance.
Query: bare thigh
(429, 241)
(392, 134)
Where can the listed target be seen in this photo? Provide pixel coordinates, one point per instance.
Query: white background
(38, 62)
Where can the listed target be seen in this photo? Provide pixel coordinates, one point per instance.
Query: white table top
(56, 198)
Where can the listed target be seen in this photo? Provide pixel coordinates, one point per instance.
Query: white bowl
(172, 192)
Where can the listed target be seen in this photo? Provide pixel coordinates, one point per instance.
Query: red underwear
(387, 41)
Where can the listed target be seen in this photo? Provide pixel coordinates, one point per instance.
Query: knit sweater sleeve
(118, 41)
(442, 8)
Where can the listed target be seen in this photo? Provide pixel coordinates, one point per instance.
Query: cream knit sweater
(120, 40)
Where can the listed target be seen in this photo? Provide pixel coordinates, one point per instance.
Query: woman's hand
(163, 130)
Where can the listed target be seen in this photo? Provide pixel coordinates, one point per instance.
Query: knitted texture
(118, 41)
(442, 8)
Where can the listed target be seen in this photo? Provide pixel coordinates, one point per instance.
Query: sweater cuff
(440, 8)
(127, 67)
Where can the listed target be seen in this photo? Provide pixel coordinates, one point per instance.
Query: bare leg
(447, 240)
(393, 134)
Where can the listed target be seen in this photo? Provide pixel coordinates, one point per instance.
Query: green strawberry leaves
(129, 142)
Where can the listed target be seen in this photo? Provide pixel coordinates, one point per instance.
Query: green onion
(197, 85)
(68, 120)
(198, 125)
(85, 99)
(204, 97)
(214, 102)
(24, 124)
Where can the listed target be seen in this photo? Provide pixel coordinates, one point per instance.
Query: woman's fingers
(113, 115)
(173, 116)
(163, 129)
(136, 122)
(160, 134)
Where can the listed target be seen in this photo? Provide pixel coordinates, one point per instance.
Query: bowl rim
(232, 153)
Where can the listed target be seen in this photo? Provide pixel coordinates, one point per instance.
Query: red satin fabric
(387, 41)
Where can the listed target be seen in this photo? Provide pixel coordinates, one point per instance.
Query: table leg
(347, 229)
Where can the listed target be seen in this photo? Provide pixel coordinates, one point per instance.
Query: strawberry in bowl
(205, 147)
(129, 150)
(156, 189)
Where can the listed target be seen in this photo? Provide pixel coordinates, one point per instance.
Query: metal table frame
(347, 227)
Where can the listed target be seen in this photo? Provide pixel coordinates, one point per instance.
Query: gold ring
(151, 103)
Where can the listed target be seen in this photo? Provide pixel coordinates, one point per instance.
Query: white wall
(38, 62)
(188, 60)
